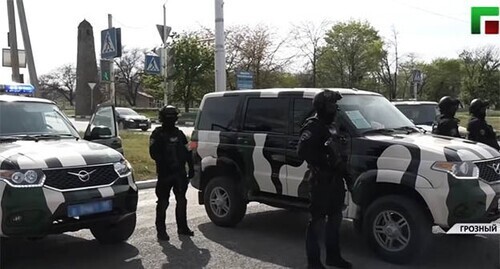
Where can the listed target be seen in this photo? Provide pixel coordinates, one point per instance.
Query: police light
(17, 88)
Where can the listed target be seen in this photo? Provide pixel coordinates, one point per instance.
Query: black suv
(245, 142)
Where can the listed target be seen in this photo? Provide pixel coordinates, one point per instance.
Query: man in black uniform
(319, 148)
(168, 147)
(479, 130)
(447, 124)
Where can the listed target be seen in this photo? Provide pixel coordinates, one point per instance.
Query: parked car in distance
(128, 118)
(423, 114)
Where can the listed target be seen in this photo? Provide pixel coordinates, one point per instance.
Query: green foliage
(352, 53)
(443, 77)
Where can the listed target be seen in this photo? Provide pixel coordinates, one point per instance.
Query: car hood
(428, 147)
(135, 117)
(55, 154)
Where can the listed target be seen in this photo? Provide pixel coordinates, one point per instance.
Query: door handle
(293, 143)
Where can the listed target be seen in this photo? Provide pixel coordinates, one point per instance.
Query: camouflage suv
(245, 142)
(52, 181)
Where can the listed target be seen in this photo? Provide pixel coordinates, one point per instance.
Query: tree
(443, 77)
(481, 74)
(352, 54)
(62, 82)
(389, 66)
(128, 72)
(309, 39)
(194, 63)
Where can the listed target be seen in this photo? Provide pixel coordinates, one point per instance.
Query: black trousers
(179, 183)
(327, 195)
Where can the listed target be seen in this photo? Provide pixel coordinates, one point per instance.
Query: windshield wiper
(408, 129)
(381, 131)
(8, 138)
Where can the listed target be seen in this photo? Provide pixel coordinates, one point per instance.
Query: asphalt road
(266, 238)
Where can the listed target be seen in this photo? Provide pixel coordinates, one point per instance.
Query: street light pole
(220, 52)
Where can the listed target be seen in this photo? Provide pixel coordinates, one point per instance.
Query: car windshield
(34, 119)
(420, 114)
(371, 112)
(126, 111)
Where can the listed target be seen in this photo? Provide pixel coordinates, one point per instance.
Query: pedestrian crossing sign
(152, 65)
(111, 43)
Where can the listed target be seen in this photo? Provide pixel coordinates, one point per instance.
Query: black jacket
(168, 147)
(480, 131)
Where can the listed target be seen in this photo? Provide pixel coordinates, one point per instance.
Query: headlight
(23, 178)
(462, 170)
(123, 168)
(130, 120)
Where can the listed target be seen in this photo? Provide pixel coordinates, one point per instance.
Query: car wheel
(145, 129)
(224, 202)
(397, 228)
(113, 233)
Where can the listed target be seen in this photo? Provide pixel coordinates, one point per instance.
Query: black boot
(163, 236)
(315, 266)
(338, 262)
(185, 231)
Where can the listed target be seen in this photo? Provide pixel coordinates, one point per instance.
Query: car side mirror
(100, 132)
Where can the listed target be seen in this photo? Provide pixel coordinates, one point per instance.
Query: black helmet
(168, 112)
(322, 98)
(448, 103)
(477, 105)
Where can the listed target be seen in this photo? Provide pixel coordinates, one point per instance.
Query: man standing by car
(479, 130)
(447, 124)
(168, 147)
(326, 173)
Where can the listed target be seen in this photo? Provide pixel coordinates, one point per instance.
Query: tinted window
(267, 115)
(302, 109)
(218, 113)
(420, 114)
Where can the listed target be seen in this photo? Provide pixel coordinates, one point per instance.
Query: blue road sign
(152, 65)
(111, 43)
(244, 80)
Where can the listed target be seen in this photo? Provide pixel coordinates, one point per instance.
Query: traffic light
(105, 70)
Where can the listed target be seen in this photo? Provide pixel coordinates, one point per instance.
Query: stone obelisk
(86, 71)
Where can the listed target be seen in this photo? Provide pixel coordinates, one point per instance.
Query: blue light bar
(17, 88)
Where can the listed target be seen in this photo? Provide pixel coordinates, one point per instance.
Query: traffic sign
(244, 80)
(111, 45)
(152, 64)
(161, 31)
(417, 76)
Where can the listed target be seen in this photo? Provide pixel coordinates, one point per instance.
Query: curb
(146, 184)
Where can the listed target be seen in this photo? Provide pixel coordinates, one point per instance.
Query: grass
(136, 150)
(493, 119)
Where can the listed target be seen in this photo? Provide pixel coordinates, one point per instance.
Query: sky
(427, 28)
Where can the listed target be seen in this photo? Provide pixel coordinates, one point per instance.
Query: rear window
(267, 115)
(218, 113)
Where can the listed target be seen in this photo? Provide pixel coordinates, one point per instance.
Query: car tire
(400, 220)
(224, 202)
(357, 224)
(144, 129)
(114, 233)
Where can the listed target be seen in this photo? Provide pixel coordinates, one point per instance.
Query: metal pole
(111, 68)
(165, 57)
(415, 86)
(220, 52)
(27, 45)
(14, 54)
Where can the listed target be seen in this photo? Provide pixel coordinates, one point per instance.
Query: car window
(218, 113)
(26, 118)
(302, 109)
(420, 114)
(104, 117)
(266, 115)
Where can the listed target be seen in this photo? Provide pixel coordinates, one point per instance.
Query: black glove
(190, 174)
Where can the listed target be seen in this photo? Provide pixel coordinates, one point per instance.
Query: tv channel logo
(491, 27)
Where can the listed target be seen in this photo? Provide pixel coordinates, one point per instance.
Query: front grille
(489, 170)
(141, 121)
(61, 179)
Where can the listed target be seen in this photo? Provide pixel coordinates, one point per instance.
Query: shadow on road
(278, 237)
(188, 256)
(66, 251)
